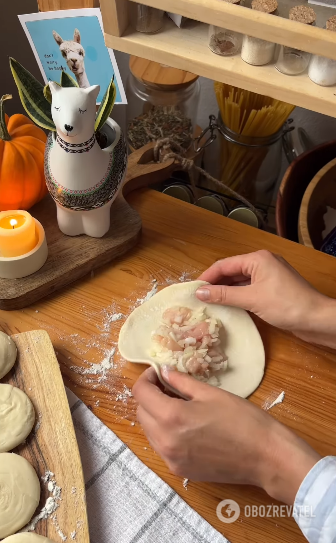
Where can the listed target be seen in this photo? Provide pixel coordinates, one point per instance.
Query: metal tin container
(244, 215)
(181, 192)
(213, 203)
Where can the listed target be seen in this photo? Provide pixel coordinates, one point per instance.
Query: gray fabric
(126, 501)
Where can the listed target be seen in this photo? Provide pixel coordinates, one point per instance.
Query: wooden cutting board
(70, 258)
(52, 446)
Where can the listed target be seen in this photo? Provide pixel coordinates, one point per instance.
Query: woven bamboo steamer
(160, 76)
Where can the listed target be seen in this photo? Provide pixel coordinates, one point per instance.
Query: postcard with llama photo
(73, 41)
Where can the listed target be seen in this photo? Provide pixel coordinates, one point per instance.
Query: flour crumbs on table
(149, 294)
(267, 406)
(123, 396)
(100, 369)
(185, 277)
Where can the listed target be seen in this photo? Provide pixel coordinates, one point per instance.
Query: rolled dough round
(8, 354)
(19, 493)
(17, 417)
(239, 336)
(27, 537)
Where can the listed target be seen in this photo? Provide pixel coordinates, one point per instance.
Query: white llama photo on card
(73, 41)
(73, 53)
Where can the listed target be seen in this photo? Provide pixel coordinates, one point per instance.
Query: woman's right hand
(269, 287)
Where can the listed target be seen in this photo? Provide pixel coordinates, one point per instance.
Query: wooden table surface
(178, 242)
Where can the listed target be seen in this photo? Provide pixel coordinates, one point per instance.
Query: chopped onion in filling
(190, 341)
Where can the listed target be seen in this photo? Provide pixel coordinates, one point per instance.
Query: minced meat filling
(189, 340)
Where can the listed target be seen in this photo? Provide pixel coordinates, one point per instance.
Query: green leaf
(67, 80)
(33, 92)
(34, 114)
(47, 93)
(106, 105)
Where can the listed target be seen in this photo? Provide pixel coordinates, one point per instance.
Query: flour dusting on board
(100, 369)
(110, 317)
(52, 503)
(123, 396)
(267, 406)
(149, 294)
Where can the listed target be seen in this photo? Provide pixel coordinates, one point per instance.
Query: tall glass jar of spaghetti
(222, 41)
(293, 61)
(256, 51)
(162, 103)
(250, 164)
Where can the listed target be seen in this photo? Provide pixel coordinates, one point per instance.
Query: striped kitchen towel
(126, 501)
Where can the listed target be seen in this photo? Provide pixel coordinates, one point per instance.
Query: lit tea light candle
(18, 234)
(23, 245)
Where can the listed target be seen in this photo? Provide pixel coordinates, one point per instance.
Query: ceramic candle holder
(21, 266)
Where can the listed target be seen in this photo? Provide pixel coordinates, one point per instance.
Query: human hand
(219, 437)
(269, 287)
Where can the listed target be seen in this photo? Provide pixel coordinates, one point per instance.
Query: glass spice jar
(322, 70)
(256, 51)
(222, 41)
(292, 61)
(146, 19)
(162, 103)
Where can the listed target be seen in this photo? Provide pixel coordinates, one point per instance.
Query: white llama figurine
(82, 178)
(73, 52)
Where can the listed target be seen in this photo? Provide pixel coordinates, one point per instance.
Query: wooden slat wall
(54, 5)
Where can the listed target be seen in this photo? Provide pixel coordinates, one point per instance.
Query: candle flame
(13, 223)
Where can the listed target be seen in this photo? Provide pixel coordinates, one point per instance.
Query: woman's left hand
(219, 437)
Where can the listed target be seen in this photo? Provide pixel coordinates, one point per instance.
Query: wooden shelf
(277, 29)
(188, 49)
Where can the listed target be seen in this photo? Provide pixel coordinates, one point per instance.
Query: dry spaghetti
(248, 115)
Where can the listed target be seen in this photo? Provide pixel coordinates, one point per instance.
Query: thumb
(227, 295)
(188, 387)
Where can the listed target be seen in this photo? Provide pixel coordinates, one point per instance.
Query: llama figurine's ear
(54, 87)
(93, 91)
(57, 38)
(77, 35)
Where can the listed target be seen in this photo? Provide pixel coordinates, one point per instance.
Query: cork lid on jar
(267, 6)
(331, 23)
(302, 14)
(159, 75)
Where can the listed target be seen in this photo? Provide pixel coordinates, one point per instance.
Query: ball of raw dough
(26, 537)
(17, 417)
(8, 352)
(19, 493)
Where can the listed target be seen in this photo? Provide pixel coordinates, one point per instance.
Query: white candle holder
(17, 267)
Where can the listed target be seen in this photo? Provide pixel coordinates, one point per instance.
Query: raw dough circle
(240, 338)
(8, 353)
(19, 493)
(27, 537)
(17, 417)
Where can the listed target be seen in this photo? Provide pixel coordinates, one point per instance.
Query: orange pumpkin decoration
(22, 145)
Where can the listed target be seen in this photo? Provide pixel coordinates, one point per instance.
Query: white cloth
(315, 503)
(126, 501)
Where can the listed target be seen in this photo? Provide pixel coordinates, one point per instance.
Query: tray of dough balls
(42, 493)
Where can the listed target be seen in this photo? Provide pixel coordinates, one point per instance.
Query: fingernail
(203, 294)
(166, 370)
